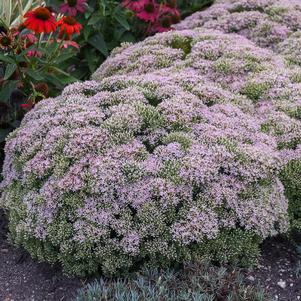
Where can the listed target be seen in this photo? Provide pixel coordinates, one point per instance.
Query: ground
(24, 279)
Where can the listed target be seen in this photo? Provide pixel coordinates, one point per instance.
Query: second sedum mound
(178, 149)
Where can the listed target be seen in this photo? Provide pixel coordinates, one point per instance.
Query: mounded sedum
(216, 68)
(274, 20)
(177, 149)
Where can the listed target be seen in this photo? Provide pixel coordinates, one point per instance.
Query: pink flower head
(71, 7)
(163, 25)
(68, 43)
(169, 9)
(134, 5)
(30, 38)
(150, 12)
(34, 53)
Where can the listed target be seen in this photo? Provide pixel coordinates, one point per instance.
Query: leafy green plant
(32, 63)
(105, 25)
(199, 281)
(108, 23)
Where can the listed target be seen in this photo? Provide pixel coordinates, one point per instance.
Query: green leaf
(94, 19)
(60, 80)
(6, 58)
(99, 43)
(54, 81)
(4, 133)
(63, 76)
(34, 74)
(118, 32)
(50, 49)
(128, 37)
(6, 89)
(87, 30)
(10, 69)
(92, 59)
(122, 20)
(64, 57)
(15, 124)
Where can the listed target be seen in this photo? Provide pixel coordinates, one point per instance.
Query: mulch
(277, 270)
(25, 279)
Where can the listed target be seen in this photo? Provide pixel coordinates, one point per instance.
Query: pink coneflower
(29, 39)
(134, 5)
(150, 12)
(170, 8)
(71, 7)
(164, 24)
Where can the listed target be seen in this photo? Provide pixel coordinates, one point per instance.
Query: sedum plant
(173, 152)
(269, 23)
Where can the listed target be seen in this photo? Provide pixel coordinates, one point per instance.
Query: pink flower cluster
(268, 23)
(158, 16)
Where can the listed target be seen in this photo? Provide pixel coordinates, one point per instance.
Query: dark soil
(277, 271)
(24, 279)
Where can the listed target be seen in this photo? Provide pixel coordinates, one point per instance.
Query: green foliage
(198, 282)
(291, 178)
(183, 43)
(187, 7)
(25, 80)
(11, 11)
(255, 90)
(105, 26)
(233, 246)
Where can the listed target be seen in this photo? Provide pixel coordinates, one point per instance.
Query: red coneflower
(40, 20)
(42, 88)
(164, 24)
(5, 40)
(28, 105)
(68, 26)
